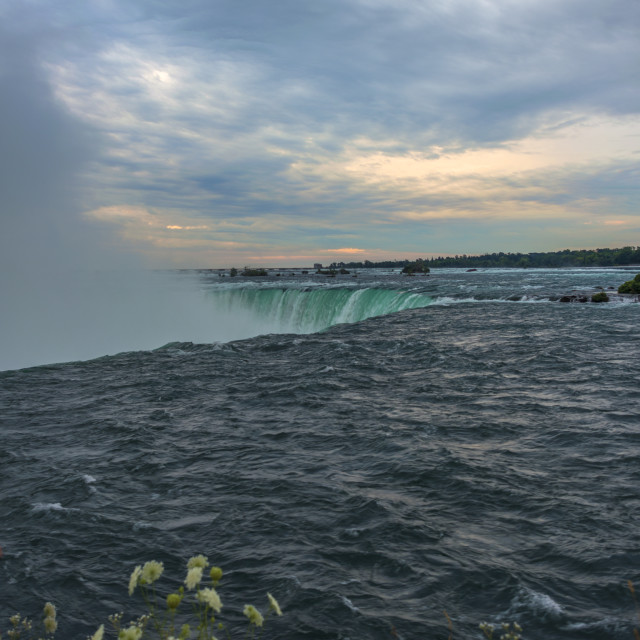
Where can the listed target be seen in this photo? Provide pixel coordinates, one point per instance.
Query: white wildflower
(211, 597)
(49, 610)
(131, 633)
(133, 580)
(255, 617)
(50, 624)
(98, 635)
(152, 571)
(193, 577)
(198, 561)
(273, 604)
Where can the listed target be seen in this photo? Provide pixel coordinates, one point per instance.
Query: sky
(218, 133)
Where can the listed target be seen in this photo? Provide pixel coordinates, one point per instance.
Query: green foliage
(600, 297)
(565, 258)
(233, 272)
(630, 286)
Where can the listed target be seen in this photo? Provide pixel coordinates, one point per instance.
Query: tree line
(566, 258)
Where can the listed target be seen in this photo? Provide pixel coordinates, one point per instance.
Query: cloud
(194, 127)
(45, 151)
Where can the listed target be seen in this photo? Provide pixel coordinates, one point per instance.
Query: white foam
(447, 300)
(545, 603)
(48, 506)
(349, 604)
(327, 369)
(605, 624)
(540, 603)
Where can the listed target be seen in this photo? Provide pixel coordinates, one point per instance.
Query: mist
(85, 315)
(64, 294)
(70, 288)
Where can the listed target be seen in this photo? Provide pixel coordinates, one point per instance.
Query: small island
(247, 272)
(418, 266)
(630, 286)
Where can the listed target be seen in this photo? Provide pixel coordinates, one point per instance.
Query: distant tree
(564, 258)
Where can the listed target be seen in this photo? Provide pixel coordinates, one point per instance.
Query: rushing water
(391, 448)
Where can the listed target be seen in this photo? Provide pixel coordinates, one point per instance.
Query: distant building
(317, 265)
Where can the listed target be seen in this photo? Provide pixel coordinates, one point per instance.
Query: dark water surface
(477, 454)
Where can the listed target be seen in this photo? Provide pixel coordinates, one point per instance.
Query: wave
(542, 604)
(50, 506)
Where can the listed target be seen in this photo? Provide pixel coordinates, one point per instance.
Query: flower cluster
(50, 623)
(24, 626)
(160, 621)
(511, 631)
(205, 602)
(144, 575)
(255, 617)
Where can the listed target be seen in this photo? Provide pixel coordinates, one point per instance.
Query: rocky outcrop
(574, 298)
